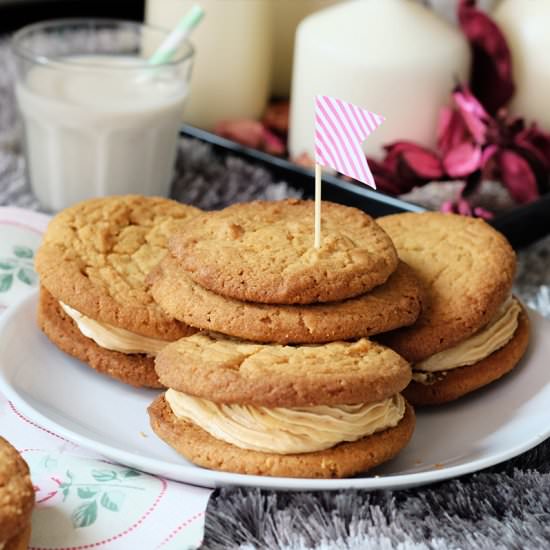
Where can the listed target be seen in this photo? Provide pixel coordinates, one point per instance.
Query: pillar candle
(393, 57)
(526, 26)
(232, 68)
(286, 16)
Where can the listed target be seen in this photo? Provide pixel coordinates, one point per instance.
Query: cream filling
(113, 338)
(287, 430)
(492, 337)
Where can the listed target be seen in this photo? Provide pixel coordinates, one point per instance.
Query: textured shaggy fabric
(507, 506)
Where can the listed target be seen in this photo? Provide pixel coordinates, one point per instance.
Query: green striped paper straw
(172, 42)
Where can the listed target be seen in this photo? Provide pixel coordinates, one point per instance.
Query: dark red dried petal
(272, 143)
(423, 163)
(249, 133)
(386, 180)
(451, 130)
(463, 207)
(473, 114)
(491, 79)
(483, 213)
(411, 161)
(276, 116)
(517, 176)
(536, 142)
(463, 160)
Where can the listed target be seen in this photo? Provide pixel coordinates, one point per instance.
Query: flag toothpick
(340, 129)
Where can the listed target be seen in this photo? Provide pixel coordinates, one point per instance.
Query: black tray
(522, 225)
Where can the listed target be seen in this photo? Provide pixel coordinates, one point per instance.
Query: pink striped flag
(340, 128)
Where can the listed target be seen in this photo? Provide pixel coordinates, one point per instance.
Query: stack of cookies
(94, 304)
(241, 398)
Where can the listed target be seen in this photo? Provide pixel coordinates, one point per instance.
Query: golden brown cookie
(263, 252)
(16, 498)
(225, 370)
(96, 255)
(134, 369)
(467, 268)
(394, 304)
(455, 383)
(19, 541)
(343, 460)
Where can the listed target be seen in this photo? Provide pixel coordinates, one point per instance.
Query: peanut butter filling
(486, 341)
(113, 338)
(284, 430)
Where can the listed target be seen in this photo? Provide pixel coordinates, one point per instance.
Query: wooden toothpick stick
(318, 177)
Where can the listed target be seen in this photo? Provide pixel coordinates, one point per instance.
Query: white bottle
(232, 68)
(393, 57)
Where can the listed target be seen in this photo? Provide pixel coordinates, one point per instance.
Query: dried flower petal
(491, 80)
(472, 112)
(463, 160)
(413, 161)
(536, 142)
(451, 130)
(276, 116)
(273, 144)
(518, 176)
(249, 133)
(483, 213)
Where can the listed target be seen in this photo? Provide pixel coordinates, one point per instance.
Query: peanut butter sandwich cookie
(16, 499)
(263, 252)
(472, 330)
(331, 410)
(394, 304)
(94, 302)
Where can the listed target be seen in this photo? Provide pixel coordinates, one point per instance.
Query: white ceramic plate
(94, 411)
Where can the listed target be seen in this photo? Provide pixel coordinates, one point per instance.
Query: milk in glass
(99, 125)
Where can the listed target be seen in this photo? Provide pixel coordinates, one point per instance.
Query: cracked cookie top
(263, 252)
(96, 255)
(226, 370)
(467, 269)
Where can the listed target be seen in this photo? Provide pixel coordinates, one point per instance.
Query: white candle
(526, 25)
(232, 69)
(393, 57)
(286, 16)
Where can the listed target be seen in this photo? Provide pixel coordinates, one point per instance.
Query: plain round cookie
(461, 381)
(263, 252)
(96, 255)
(16, 495)
(20, 541)
(343, 460)
(225, 370)
(467, 268)
(134, 368)
(394, 304)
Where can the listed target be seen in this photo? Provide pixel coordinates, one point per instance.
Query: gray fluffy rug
(507, 506)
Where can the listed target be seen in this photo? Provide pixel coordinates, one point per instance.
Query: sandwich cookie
(16, 499)
(394, 304)
(325, 411)
(472, 330)
(263, 252)
(94, 302)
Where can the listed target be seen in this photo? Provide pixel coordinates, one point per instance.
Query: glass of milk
(97, 119)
